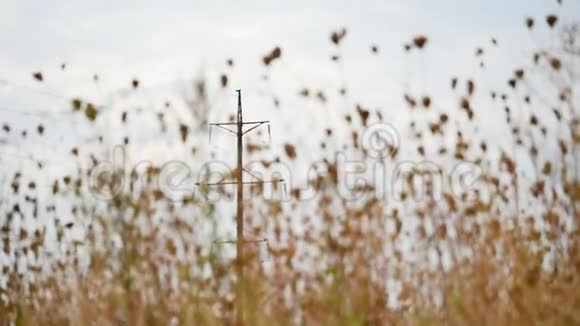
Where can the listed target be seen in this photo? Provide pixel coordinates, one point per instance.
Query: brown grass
(514, 254)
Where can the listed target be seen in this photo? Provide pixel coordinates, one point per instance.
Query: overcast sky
(164, 40)
(164, 43)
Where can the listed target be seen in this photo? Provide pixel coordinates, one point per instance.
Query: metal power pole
(240, 213)
(240, 241)
(239, 175)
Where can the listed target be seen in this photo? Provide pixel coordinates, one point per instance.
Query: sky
(168, 44)
(166, 41)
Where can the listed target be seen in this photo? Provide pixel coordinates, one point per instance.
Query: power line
(33, 89)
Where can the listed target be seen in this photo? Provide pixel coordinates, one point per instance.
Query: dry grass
(513, 253)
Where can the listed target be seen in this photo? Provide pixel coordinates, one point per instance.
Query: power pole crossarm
(235, 182)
